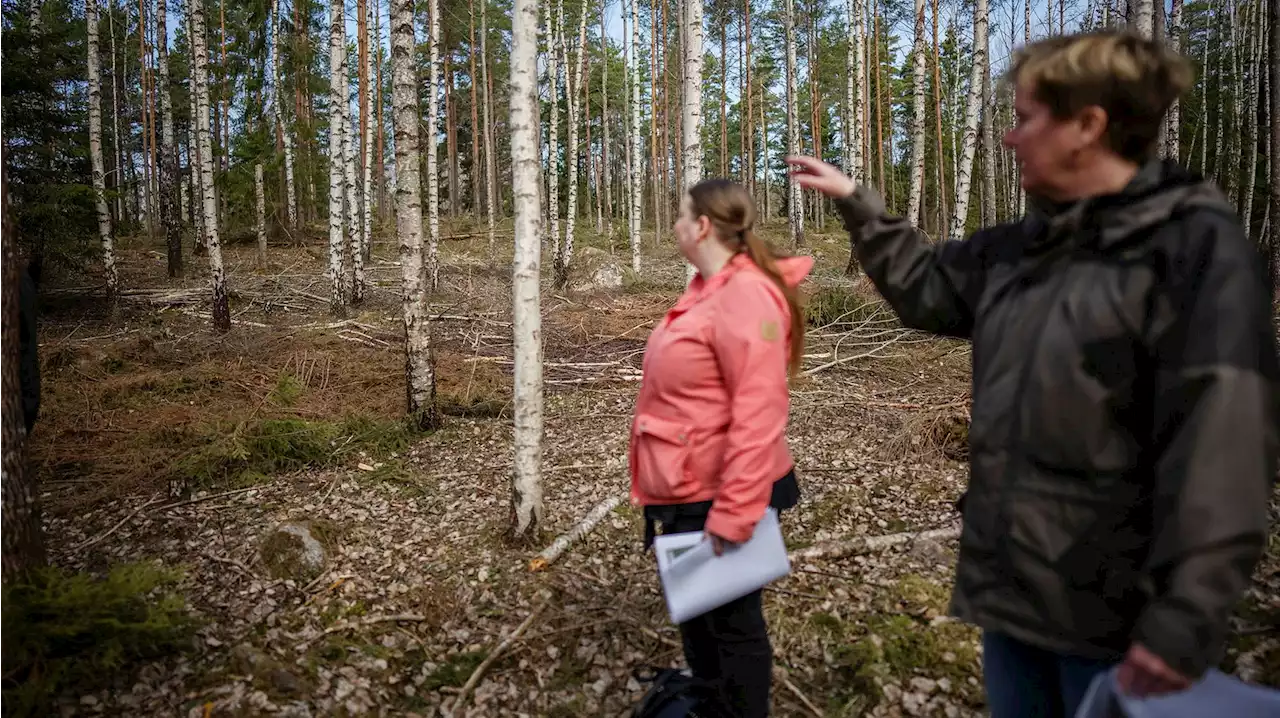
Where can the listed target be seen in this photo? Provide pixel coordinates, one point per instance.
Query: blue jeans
(1024, 681)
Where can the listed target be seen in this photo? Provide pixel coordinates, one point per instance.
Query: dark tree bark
(1273, 255)
(23, 542)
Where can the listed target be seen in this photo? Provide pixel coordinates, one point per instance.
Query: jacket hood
(794, 269)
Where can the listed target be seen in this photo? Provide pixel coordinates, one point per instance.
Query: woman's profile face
(687, 229)
(1046, 146)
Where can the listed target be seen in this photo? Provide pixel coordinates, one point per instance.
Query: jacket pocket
(662, 449)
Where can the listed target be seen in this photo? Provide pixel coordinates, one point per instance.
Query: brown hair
(732, 212)
(1135, 80)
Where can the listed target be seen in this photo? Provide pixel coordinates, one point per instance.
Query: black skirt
(692, 517)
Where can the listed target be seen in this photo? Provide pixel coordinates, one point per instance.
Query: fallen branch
(869, 544)
(370, 621)
(583, 527)
(781, 675)
(89, 542)
(493, 656)
(210, 497)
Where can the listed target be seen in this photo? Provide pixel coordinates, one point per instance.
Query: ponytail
(762, 255)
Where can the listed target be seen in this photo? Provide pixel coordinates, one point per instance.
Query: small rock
(88, 700)
(284, 682)
(291, 551)
(924, 685)
(944, 685)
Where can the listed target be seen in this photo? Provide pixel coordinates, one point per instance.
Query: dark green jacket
(1123, 440)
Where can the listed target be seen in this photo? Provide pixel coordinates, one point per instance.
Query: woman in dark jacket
(1123, 438)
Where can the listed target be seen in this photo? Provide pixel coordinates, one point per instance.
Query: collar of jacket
(793, 270)
(1158, 190)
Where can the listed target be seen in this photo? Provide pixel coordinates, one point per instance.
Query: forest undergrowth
(161, 445)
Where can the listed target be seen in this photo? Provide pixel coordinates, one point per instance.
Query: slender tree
(795, 207)
(490, 163)
(973, 108)
(420, 379)
(635, 179)
(1273, 110)
(169, 193)
(95, 154)
(337, 178)
(433, 133)
(918, 54)
(526, 494)
(213, 246)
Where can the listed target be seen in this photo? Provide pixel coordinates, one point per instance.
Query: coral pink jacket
(712, 411)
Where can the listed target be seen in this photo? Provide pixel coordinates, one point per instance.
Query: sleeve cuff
(735, 529)
(1172, 635)
(864, 205)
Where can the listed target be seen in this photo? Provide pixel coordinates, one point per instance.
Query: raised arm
(932, 287)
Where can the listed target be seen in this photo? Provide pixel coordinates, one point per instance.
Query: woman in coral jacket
(708, 447)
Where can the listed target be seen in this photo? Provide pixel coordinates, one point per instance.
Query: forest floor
(295, 416)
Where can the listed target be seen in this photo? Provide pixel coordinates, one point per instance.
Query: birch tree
(282, 132)
(337, 177)
(918, 52)
(1143, 17)
(573, 83)
(221, 310)
(261, 205)
(1173, 120)
(371, 71)
(973, 107)
(795, 206)
(433, 132)
(691, 123)
(526, 494)
(553, 131)
(420, 378)
(95, 154)
(169, 192)
(490, 164)
(355, 227)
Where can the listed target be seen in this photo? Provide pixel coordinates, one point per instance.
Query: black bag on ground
(673, 694)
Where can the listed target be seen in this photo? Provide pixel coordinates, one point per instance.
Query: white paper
(695, 580)
(1217, 694)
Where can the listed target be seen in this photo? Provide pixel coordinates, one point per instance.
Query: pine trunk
(634, 179)
(795, 207)
(419, 372)
(221, 309)
(604, 180)
(526, 494)
(169, 192)
(475, 111)
(724, 100)
(337, 181)
(23, 537)
(110, 276)
(918, 55)
(973, 107)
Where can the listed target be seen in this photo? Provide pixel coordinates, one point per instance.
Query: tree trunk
(337, 210)
(574, 80)
(367, 195)
(937, 108)
(691, 123)
(1144, 22)
(420, 379)
(1273, 157)
(475, 110)
(433, 134)
(116, 148)
(553, 129)
(988, 148)
(526, 494)
(795, 207)
(1173, 123)
(971, 114)
(380, 158)
(95, 156)
(1252, 95)
(261, 204)
(451, 138)
(194, 158)
(286, 138)
(23, 537)
(724, 100)
(875, 69)
(169, 193)
(355, 228)
(634, 178)
(221, 309)
(749, 118)
(604, 180)
(919, 52)
(490, 162)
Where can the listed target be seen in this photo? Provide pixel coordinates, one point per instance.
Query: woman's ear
(704, 227)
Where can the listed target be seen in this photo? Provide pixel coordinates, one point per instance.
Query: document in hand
(695, 580)
(1217, 694)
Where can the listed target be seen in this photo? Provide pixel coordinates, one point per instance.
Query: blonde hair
(732, 212)
(1133, 79)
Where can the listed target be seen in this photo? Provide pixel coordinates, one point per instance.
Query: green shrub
(65, 631)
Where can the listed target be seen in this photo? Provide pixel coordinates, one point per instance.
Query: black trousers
(729, 646)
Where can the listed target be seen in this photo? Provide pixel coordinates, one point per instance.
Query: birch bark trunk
(526, 494)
